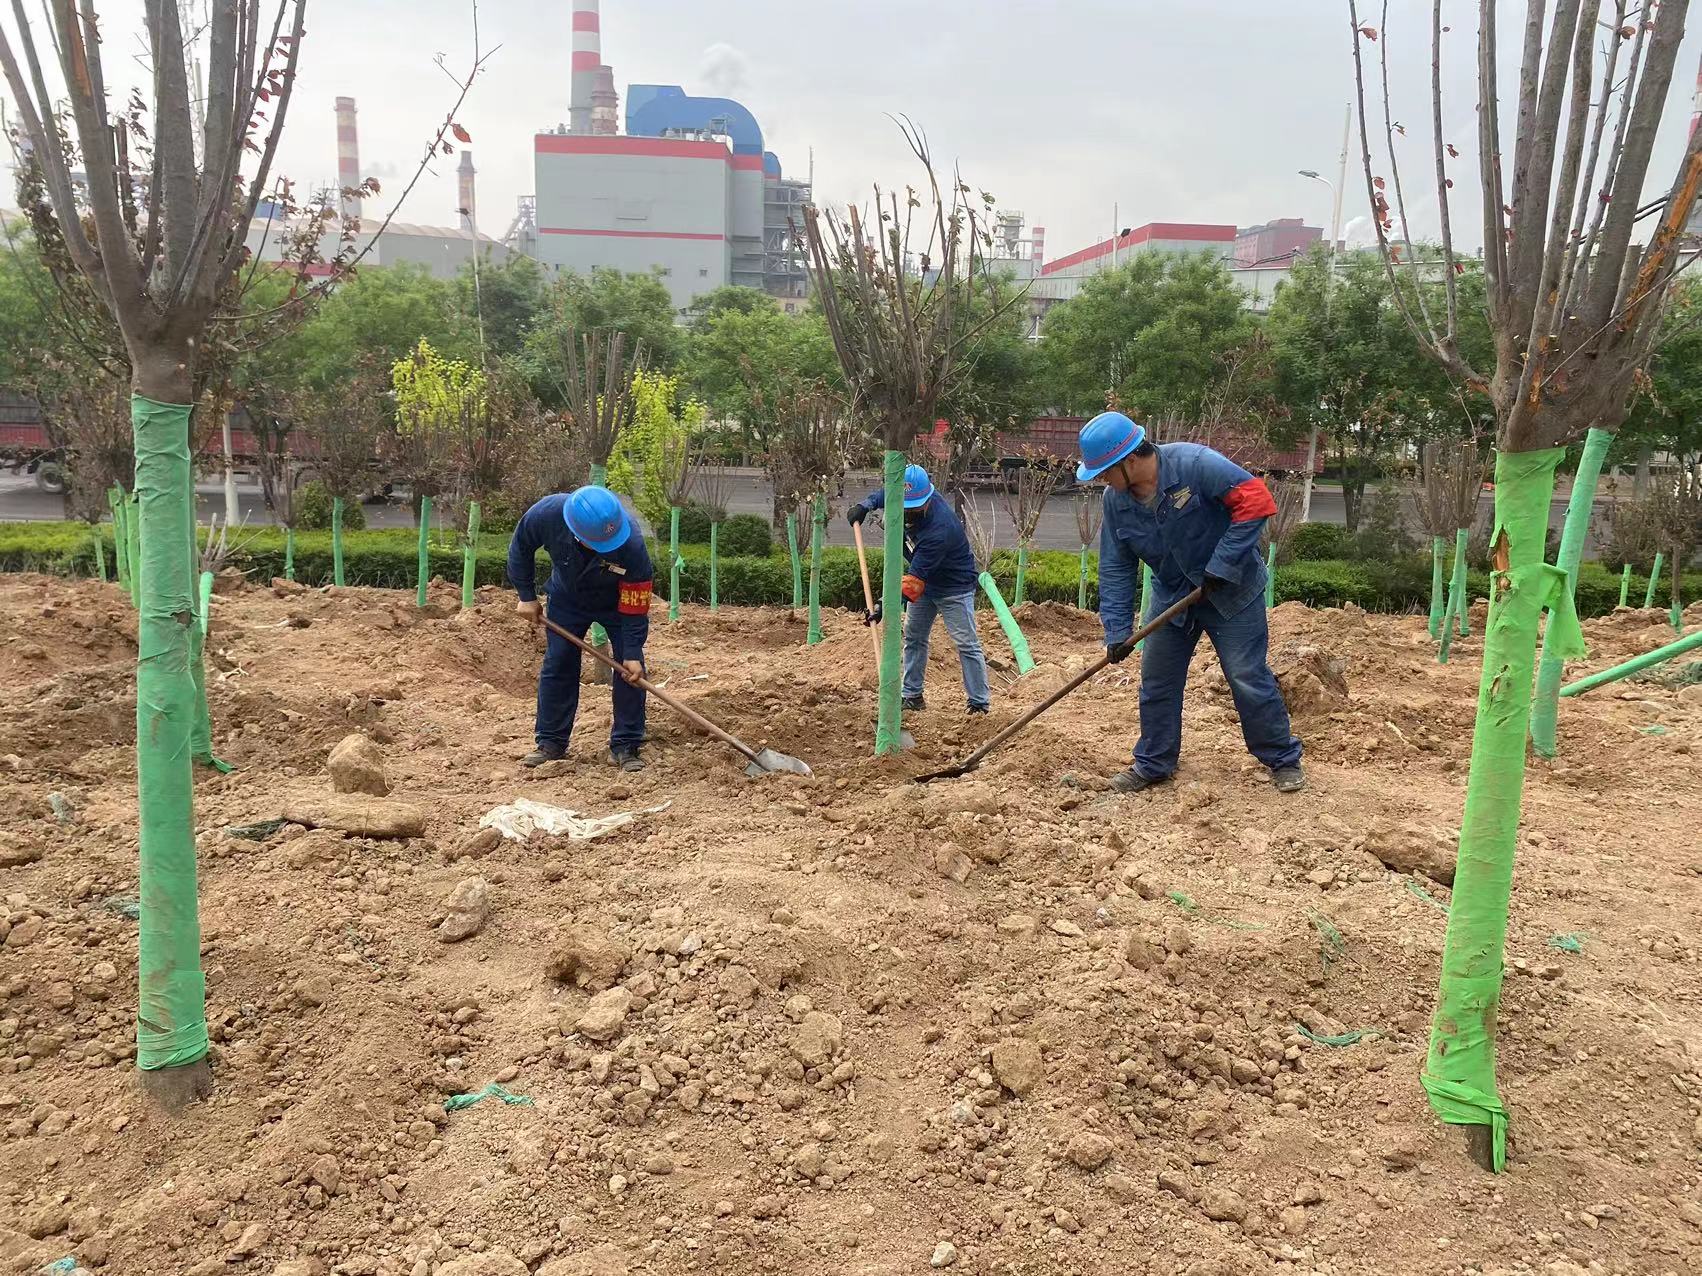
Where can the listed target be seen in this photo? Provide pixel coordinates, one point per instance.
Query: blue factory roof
(653, 109)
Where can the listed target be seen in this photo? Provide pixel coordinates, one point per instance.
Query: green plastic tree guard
(1459, 590)
(1021, 575)
(289, 553)
(204, 601)
(201, 734)
(1437, 606)
(674, 562)
(1624, 584)
(1081, 582)
(120, 537)
(422, 568)
(1146, 593)
(171, 1022)
(1455, 598)
(1271, 576)
(889, 736)
(337, 540)
(714, 568)
(1654, 579)
(797, 562)
(1007, 622)
(100, 554)
(133, 534)
(1690, 642)
(470, 556)
(1459, 1074)
(818, 533)
(1545, 702)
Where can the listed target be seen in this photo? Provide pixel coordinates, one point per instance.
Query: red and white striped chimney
(348, 156)
(587, 57)
(464, 187)
(1039, 248)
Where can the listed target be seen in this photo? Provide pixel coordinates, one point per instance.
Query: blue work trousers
(558, 680)
(1242, 641)
(958, 611)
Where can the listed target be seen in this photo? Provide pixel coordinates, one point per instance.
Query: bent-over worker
(602, 576)
(939, 581)
(1194, 516)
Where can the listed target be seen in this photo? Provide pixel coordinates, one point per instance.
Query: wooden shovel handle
(868, 595)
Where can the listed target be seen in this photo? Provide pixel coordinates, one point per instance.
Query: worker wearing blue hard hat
(602, 575)
(940, 579)
(1193, 516)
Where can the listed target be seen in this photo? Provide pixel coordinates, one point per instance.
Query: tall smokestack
(605, 103)
(587, 57)
(464, 188)
(348, 156)
(1039, 248)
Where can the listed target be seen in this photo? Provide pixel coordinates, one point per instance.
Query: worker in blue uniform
(602, 576)
(939, 582)
(1194, 516)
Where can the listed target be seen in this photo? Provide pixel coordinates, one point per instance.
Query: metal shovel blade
(768, 761)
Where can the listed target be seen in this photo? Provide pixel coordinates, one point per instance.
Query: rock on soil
(356, 765)
(1088, 1151)
(1310, 679)
(1018, 1066)
(494, 1262)
(605, 1017)
(467, 907)
(357, 814)
(819, 1037)
(1223, 1206)
(945, 1254)
(1412, 848)
(586, 959)
(605, 1260)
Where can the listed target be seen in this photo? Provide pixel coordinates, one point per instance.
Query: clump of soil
(1010, 1023)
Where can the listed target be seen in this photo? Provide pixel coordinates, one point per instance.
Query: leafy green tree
(727, 297)
(1154, 332)
(510, 296)
(382, 314)
(1667, 416)
(642, 463)
(605, 300)
(745, 364)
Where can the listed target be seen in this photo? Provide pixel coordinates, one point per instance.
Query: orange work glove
(912, 588)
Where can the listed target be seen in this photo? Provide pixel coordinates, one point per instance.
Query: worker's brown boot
(542, 754)
(1132, 781)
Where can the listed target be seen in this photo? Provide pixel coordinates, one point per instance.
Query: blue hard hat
(595, 516)
(1105, 440)
(918, 487)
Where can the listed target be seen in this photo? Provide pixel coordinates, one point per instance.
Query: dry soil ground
(1013, 1023)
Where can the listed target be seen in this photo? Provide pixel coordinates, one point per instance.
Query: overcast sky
(1198, 111)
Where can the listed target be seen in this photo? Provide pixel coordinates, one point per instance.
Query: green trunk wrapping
(171, 1023)
(120, 538)
(1146, 593)
(1544, 704)
(599, 478)
(1654, 579)
(422, 572)
(714, 568)
(797, 563)
(888, 722)
(133, 534)
(289, 553)
(1081, 582)
(1449, 619)
(204, 600)
(100, 554)
(1436, 604)
(1271, 576)
(1021, 575)
(201, 736)
(674, 562)
(818, 532)
(470, 556)
(337, 540)
(1461, 592)
(1459, 1075)
(1690, 642)
(1007, 622)
(1624, 584)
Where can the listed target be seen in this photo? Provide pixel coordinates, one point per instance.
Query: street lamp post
(1336, 188)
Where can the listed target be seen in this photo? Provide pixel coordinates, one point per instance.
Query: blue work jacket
(616, 584)
(937, 548)
(1206, 524)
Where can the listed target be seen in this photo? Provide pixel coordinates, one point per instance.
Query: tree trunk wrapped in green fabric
(1090, 509)
(120, 536)
(1270, 575)
(1624, 584)
(797, 561)
(337, 540)
(1021, 574)
(1007, 622)
(818, 534)
(422, 571)
(889, 733)
(100, 554)
(1460, 589)
(673, 563)
(133, 534)
(289, 553)
(470, 556)
(1654, 579)
(714, 567)
(1437, 606)
(1546, 699)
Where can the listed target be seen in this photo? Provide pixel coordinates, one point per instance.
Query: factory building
(687, 191)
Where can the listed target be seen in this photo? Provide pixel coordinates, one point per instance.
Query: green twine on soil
(1350, 1038)
(455, 1102)
(1413, 885)
(1189, 907)
(1331, 945)
(1570, 942)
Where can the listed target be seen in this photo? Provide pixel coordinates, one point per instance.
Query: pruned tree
(593, 374)
(1030, 486)
(157, 230)
(1090, 513)
(1445, 505)
(280, 471)
(1674, 513)
(892, 291)
(343, 423)
(1574, 309)
(681, 455)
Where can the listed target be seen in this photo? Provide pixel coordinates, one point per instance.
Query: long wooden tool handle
(1175, 609)
(692, 716)
(868, 595)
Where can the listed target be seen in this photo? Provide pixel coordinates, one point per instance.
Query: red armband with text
(1248, 501)
(634, 598)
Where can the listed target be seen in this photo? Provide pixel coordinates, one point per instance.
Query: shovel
(766, 762)
(905, 739)
(974, 759)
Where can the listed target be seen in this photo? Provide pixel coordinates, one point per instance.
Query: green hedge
(386, 559)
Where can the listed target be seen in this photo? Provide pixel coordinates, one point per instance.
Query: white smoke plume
(723, 70)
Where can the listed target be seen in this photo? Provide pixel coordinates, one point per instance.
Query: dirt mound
(1013, 1022)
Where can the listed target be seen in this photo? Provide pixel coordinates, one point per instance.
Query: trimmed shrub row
(386, 559)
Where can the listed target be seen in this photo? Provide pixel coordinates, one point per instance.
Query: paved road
(21, 501)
